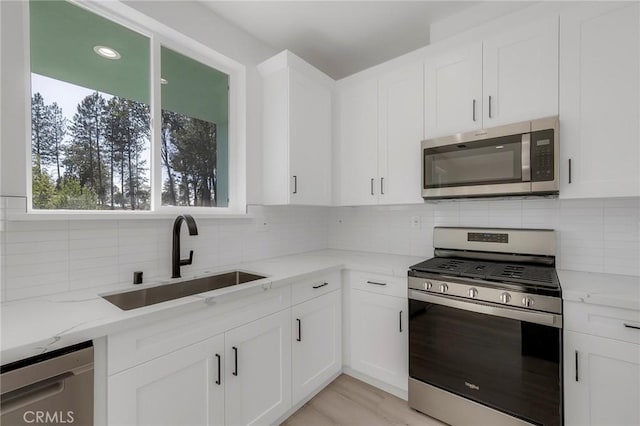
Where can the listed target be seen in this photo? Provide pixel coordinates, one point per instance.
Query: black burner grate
(540, 276)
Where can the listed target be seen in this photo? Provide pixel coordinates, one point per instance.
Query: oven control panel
(488, 237)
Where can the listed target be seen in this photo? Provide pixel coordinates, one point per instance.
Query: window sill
(119, 215)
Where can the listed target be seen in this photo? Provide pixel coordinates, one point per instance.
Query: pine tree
(40, 131)
(58, 131)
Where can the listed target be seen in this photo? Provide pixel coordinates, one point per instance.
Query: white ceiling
(339, 37)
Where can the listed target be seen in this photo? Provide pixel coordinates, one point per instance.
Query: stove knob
(443, 288)
(527, 301)
(427, 285)
(505, 297)
(473, 292)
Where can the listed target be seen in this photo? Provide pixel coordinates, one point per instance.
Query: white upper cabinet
(520, 74)
(378, 146)
(453, 91)
(358, 143)
(600, 100)
(297, 132)
(506, 78)
(400, 129)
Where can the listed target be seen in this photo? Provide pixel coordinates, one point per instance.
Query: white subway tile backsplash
(50, 256)
(587, 230)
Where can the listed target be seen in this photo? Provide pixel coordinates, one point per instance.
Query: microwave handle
(526, 157)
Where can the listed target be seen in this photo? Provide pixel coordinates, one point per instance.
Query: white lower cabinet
(601, 381)
(180, 388)
(316, 343)
(258, 365)
(241, 377)
(379, 337)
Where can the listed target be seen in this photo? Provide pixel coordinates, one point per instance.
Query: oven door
(506, 359)
(494, 161)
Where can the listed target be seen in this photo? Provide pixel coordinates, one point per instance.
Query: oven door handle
(542, 318)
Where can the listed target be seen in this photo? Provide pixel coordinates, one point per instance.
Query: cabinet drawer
(613, 323)
(313, 287)
(381, 284)
(144, 343)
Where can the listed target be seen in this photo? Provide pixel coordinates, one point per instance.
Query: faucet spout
(176, 262)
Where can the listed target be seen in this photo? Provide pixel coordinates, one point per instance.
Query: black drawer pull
(219, 381)
(635, 327)
(375, 283)
(400, 321)
(320, 285)
(577, 375)
(299, 339)
(235, 361)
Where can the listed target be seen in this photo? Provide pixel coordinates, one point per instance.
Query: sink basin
(150, 296)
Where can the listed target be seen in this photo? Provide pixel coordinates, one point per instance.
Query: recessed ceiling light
(106, 52)
(163, 81)
(499, 146)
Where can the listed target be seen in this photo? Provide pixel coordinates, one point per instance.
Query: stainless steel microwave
(516, 159)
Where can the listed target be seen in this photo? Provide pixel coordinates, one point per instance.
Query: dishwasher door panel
(52, 389)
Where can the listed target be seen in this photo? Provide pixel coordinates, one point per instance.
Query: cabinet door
(310, 140)
(520, 74)
(600, 100)
(358, 143)
(258, 370)
(181, 388)
(401, 115)
(453, 91)
(379, 337)
(601, 381)
(317, 343)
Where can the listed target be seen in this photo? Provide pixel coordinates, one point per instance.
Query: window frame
(160, 35)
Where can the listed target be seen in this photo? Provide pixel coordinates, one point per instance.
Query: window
(92, 103)
(195, 117)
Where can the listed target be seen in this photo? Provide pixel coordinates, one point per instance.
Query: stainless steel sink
(150, 296)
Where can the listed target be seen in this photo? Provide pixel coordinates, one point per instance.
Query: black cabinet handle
(372, 179)
(400, 321)
(577, 375)
(381, 186)
(235, 361)
(569, 170)
(489, 106)
(219, 381)
(295, 184)
(474, 110)
(299, 339)
(320, 285)
(375, 283)
(635, 327)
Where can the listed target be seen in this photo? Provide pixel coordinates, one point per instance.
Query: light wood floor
(350, 402)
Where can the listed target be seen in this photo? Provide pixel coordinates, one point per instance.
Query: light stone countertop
(618, 291)
(37, 325)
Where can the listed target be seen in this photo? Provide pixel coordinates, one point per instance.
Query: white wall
(600, 235)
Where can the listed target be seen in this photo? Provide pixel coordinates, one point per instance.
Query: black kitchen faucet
(176, 262)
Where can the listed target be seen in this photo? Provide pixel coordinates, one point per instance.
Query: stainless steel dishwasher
(55, 388)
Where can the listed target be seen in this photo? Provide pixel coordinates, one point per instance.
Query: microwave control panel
(542, 155)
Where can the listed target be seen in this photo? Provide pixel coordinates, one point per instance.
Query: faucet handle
(187, 261)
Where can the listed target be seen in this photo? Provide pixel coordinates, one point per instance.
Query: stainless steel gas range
(485, 329)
